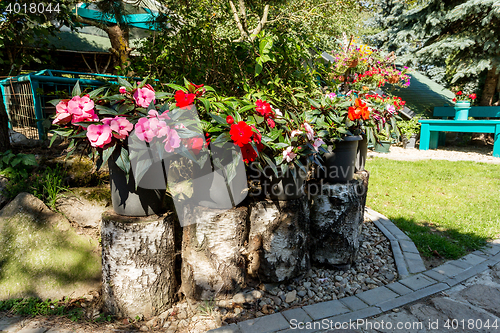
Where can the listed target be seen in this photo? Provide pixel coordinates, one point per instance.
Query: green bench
(429, 131)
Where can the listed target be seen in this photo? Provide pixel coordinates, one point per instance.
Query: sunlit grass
(443, 206)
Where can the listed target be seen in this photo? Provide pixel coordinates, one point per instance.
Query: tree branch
(243, 13)
(244, 34)
(91, 22)
(261, 24)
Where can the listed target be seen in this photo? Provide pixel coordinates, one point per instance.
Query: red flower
(454, 99)
(241, 133)
(195, 144)
(270, 122)
(459, 93)
(353, 113)
(249, 154)
(263, 108)
(230, 120)
(473, 96)
(365, 113)
(184, 99)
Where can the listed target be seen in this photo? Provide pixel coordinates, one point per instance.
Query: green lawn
(443, 206)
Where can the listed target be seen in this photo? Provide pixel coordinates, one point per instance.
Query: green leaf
(162, 95)
(246, 108)
(105, 110)
(258, 67)
(55, 101)
(218, 119)
(76, 90)
(107, 153)
(96, 92)
(270, 163)
(206, 103)
(125, 83)
(223, 138)
(123, 161)
(176, 87)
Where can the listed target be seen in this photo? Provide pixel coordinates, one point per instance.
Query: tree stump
(278, 239)
(213, 265)
(138, 264)
(337, 214)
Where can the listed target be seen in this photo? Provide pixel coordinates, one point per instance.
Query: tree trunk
(119, 39)
(278, 240)
(490, 86)
(337, 215)
(4, 128)
(212, 262)
(138, 264)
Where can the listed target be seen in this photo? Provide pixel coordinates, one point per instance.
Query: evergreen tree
(458, 36)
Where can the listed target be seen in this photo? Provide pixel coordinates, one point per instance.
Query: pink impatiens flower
(120, 126)
(288, 154)
(296, 132)
(123, 90)
(172, 140)
(144, 131)
(317, 143)
(82, 109)
(144, 96)
(63, 116)
(309, 131)
(332, 95)
(99, 135)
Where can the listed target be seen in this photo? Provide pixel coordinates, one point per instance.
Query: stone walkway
(466, 297)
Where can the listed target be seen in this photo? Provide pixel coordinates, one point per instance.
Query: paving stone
(326, 309)
(429, 314)
(388, 323)
(408, 246)
(10, 324)
(491, 249)
(412, 297)
(472, 259)
(353, 303)
(386, 232)
(417, 282)
(377, 295)
(466, 274)
(355, 315)
(414, 262)
(33, 330)
(399, 259)
(232, 328)
(460, 311)
(59, 330)
(298, 314)
(480, 253)
(399, 288)
(448, 269)
(271, 323)
(483, 296)
(435, 275)
(395, 231)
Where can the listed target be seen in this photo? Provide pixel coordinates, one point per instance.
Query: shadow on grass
(431, 240)
(42, 256)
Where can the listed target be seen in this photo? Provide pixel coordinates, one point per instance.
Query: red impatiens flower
(263, 108)
(356, 111)
(184, 99)
(473, 96)
(459, 93)
(271, 122)
(249, 154)
(230, 120)
(454, 99)
(241, 133)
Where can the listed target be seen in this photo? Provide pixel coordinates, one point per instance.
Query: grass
(33, 306)
(446, 208)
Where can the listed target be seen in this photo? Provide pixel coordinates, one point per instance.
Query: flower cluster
(460, 96)
(75, 110)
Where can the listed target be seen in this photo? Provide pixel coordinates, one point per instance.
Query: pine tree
(460, 36)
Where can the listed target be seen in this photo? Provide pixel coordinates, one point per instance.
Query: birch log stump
(278, 241)
(138, 264)
(213, 265)
(337, 214)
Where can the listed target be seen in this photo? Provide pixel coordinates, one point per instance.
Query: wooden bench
(429, 131)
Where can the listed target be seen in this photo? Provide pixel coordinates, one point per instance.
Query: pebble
(291, 296)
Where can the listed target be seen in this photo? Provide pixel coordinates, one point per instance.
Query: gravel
(451, 153)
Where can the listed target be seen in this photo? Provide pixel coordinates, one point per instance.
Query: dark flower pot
(129, 201)
(340, 163)
(361, 154)
(283, 187)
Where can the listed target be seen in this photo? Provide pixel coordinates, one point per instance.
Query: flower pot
(129, 201)
(361, 154)
(383, 147)
(462, 110)
(339, 163)
(410, 143)
(283, 187)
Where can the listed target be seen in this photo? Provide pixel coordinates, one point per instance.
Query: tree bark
(337, 214)
(278, 239)
(4, 128)
(138, 264)
(490, 86)
(119, 39)
(212, 262)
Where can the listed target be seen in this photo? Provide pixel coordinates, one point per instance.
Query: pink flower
(309, 131)
(123, 90)
(144, 96)
(332, 95)
(391, 109)
(288, 155)
(172, 140)
(271, 122)
(120, 126)
(99, 135)
(143, 130)
(154, 113)
(296, 132)
(317, 143)
(62, 114)
(82, 109)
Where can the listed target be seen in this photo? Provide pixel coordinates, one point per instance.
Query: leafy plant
(12, 164)
(409, 127)
(208, 307)
(49, 184)
(33, 306)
